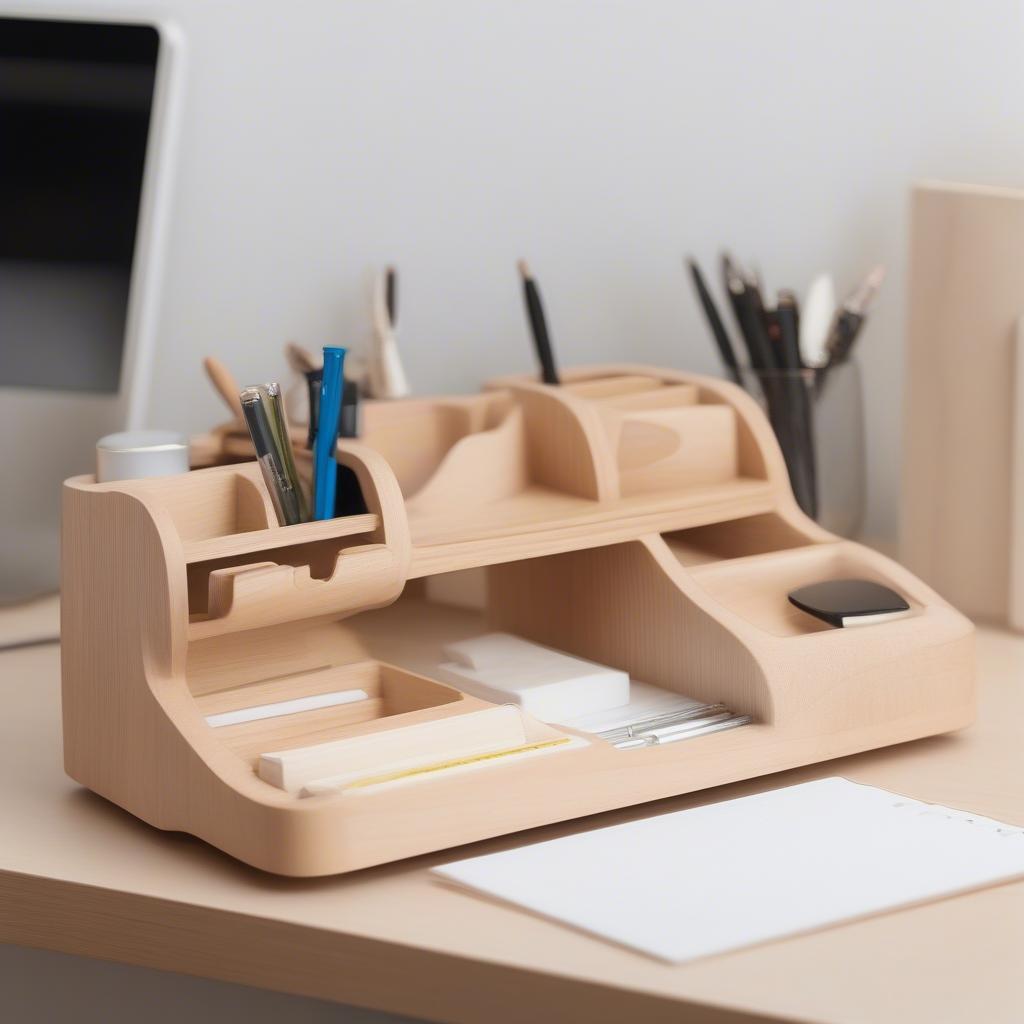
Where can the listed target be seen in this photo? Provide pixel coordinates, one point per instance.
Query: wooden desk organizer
(636, 517)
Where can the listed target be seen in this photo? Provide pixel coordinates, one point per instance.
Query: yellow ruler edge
(441, 766)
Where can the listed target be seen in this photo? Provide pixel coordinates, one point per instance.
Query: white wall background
(601, 140)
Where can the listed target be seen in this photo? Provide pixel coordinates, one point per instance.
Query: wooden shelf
(539, 521)
(254, 541)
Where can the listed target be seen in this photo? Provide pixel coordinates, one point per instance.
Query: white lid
(143, 441)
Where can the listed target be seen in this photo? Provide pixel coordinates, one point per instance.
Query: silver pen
(653, 739)
(279, 424)
(283, 495)
(660, 721)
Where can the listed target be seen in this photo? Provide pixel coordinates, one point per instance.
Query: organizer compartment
(395, 697)
(321, 578)
(736, 538)
(270, 574)
(488, 737)
(756, 587)
(619, 607)
(210, 504)
(437, 425)
(604, 456)
(663, 436)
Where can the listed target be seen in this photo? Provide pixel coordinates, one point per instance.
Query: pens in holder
(795, 428)
(285, 492)
(538, 326)
(850, 318)
(748, 307)
(314, 381)
(325, 474)
(718, 331)
(274, 402)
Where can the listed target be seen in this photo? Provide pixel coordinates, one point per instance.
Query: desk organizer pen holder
(635, 517)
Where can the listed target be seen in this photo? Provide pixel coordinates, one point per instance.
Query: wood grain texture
(78, 875)
(180, 596)
(966, 294)
(286, 957)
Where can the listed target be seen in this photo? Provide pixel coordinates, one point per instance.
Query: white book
(710, 879)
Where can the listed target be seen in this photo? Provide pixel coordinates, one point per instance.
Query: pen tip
(524, 269)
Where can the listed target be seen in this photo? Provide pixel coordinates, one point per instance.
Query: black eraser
(849, 602)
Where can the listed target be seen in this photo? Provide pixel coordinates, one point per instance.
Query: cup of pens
(799, 369)
(818, 420)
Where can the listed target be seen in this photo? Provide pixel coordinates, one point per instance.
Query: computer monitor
(87, 111)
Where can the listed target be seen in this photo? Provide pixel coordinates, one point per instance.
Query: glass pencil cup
(818, 419)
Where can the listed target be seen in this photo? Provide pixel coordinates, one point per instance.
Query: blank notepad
(715, 878)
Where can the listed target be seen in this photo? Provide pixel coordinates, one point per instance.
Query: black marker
(718, 331)
(538, 326)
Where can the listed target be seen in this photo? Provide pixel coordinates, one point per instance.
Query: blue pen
(325, 475)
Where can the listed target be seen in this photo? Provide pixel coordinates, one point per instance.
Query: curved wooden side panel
(481, 468)
(759, 452)
(625, 607)
(415, 436)
(566, 446)
(913, 676)
(122, 639)
(653, 431)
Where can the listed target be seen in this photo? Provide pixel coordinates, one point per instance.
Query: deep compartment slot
(321, 557)
(395, 697)
(734, 538)
(210, 503)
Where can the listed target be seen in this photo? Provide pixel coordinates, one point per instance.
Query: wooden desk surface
(81, 876)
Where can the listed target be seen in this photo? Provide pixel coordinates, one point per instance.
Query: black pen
(538, 326)
(718, 331)
(754, 327)
(748, 307)
(314, 381)
(732, 281)
(787, 318)
(796, 414)
(391, 294)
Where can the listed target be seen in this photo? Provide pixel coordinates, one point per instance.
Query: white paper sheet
(715, 878)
